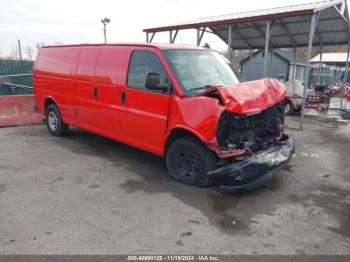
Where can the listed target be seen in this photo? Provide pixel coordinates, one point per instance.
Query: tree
(14, 54)
(29, 51)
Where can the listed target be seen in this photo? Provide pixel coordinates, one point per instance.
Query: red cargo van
(183, 103)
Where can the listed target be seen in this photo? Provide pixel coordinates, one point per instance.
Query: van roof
(158, 46)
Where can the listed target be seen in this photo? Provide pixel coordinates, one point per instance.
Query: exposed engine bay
(250, 142)
(255, 131)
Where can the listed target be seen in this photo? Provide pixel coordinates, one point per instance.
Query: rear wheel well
(49, 101)
(179, 133)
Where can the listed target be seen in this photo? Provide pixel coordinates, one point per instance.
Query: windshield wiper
(203, 87)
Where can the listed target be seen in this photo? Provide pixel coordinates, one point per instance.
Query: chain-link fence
(16, 77)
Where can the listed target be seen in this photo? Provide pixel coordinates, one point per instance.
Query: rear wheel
(189, 161)
(54, 122)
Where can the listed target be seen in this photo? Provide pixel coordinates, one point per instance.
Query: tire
(289, 109)
(188, 161)
(54, 122)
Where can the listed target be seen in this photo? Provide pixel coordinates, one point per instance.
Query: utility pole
(105, 21)
(20, 49)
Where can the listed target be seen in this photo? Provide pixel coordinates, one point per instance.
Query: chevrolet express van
(182, 103)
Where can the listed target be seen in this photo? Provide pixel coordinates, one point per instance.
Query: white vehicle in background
(294, 98)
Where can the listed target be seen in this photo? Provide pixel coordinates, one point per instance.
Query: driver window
(143, 62)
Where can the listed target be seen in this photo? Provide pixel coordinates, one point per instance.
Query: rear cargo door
(55, 78)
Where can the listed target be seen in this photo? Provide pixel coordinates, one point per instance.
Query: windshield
(237, 73)
(199, 70)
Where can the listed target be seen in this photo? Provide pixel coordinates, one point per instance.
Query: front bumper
(253, 171)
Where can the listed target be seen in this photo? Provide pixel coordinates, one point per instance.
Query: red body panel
(252, 97)
(89, 85)
(84, 83)
(54, 77)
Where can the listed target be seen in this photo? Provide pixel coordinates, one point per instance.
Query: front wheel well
(179, 133)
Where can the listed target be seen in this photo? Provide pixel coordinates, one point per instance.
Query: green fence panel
(327, 76)
(14, 67)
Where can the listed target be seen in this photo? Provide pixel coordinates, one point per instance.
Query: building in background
(332, 69)
(280, 65)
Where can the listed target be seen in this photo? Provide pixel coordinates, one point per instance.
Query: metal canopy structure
(318, 23)
(290, 26)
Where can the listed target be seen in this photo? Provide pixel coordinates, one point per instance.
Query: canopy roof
(291, 25)
(331, 58)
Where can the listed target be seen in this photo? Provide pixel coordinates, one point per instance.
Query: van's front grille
(240, 131)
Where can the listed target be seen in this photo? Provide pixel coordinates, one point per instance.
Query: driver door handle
(95, 92)
(123, 97)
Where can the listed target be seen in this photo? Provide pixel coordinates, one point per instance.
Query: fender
(185, 128)
(46, 100)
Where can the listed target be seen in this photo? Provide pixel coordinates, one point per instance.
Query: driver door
(145, 111)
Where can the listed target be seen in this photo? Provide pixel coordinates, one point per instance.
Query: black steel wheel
(189, 161)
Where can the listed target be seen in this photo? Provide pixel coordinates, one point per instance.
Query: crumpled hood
(252, 97)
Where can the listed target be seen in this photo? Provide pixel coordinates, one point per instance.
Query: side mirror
(153, 82)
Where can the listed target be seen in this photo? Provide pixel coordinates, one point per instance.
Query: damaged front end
(252, 148)
(250, 133)
(255, 170)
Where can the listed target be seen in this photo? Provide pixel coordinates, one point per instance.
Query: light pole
(105, 21)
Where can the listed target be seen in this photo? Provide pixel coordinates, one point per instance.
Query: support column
(320, 65)
(347, 62)
(307, 69)
(172, 37)
(229, 42)
(198, 37)
(150, 39)
(267, 41)
(294, 72)
(200, 34)
(334, 72)
(271, 61)
(346, 71)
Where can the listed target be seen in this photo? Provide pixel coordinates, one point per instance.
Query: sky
(79, 21)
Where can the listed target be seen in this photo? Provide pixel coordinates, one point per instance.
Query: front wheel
(54, 122)
(189, 161)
